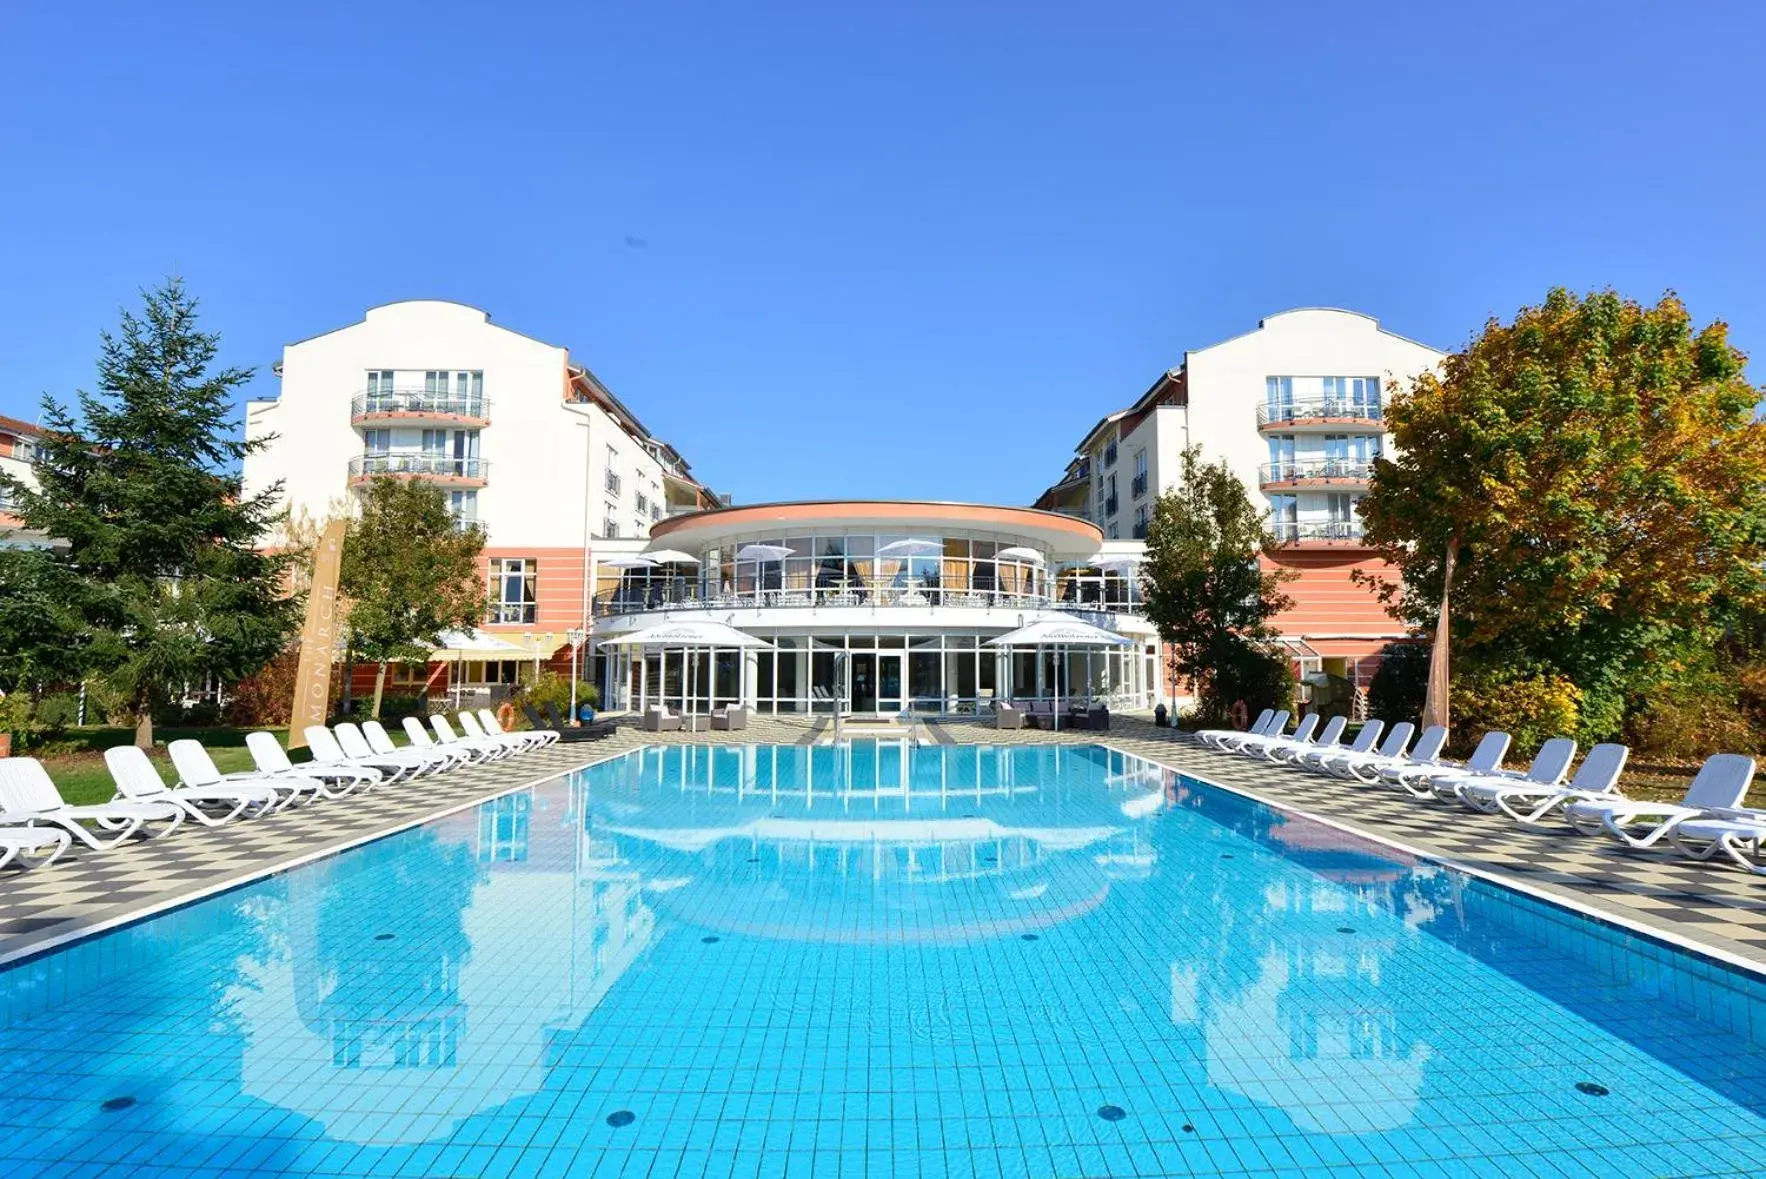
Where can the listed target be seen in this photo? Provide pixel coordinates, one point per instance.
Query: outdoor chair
(731, 718)
(1007, 717)
(658, 719)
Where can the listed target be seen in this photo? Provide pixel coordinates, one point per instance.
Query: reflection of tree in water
(393, 1001)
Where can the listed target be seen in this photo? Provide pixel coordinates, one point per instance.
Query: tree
(410, 571)
(41, 631)
(1581, 492)
(144, 489)
(1206, 592)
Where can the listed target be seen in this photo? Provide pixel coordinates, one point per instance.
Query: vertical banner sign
(318, 639)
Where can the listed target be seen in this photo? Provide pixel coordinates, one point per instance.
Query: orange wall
(559, 588)
(1326, 601)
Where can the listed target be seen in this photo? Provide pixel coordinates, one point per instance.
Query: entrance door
(889, 682)
(864, 682)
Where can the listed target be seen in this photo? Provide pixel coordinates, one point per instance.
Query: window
(1140, 522)
(1364, 395)
(379, 386)
(5, 497)
(514, 589)
(1139, 487)
(1281, 456)
(643, 503)
(610, 526)
(1111, 532)
(1278, 393)
(1284, 516)
(1110, 495)
(464, 506)
(435, 443)
(1110, 453)
(656, 511)
(24, 450)
(376, 441)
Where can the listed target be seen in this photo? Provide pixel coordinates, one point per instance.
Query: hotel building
(1295, 408)
(18, 447)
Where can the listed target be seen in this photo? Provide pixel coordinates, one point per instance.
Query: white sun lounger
(26, 844)
(1303, 733)
(137, 781)
(327, 752)
(1329, 737)
(1547, 769)
(331, 781)
(469, 724)
(1738, 834)
(1418, 779)
(1370, 771)
(28, 797)
(421, 738)
(356, 748)
(1596, 778)
(1369, 736)
(1719, 786)
(1212, 737)
(1229, 741)
(196, 770)
(494, 728)
(436, 758)
(494, 750)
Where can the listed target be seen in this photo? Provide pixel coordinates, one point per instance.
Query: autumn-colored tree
(409, 571)
(1581, 491)
(1208, 595)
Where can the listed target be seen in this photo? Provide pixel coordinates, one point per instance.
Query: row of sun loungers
(1709, 821)
(37, 825)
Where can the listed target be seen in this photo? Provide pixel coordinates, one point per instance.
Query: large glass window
(514, 589)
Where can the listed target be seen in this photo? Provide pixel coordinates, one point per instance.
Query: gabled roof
(21, 428)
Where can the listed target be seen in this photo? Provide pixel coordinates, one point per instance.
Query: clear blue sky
(904, 248)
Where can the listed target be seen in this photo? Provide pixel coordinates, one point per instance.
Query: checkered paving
(1706, 904)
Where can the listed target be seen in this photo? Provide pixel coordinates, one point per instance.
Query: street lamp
(577, 636)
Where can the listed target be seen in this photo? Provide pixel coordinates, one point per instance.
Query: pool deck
(1720, 910)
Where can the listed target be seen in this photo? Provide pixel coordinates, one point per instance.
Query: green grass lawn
(83, 779)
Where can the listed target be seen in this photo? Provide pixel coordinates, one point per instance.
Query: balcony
(1332, 414)
(420, 405)
(453, 472)
(1138, 487)
(1347, 533)
(1091, 593)
(1315, 473)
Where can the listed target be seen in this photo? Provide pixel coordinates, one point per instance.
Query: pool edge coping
(1625, 923)
(156, 908)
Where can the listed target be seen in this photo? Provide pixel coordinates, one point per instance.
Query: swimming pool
(877, 960)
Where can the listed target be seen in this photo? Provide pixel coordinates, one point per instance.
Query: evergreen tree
(143, 486)
(1208, 595)
(410, 571)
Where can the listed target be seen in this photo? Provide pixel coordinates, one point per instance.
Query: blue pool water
(876, 961)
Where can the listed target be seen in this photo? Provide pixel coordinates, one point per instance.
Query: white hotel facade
(888, 605)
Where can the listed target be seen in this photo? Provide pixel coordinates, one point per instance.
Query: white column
(751, 677)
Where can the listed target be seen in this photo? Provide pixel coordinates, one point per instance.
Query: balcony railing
(1138, 488)
(436, 465)
(1094, 594)
(1140, 531)
(420, 402)
(1286, 413)
(1321, 470)
(1340, 531)
(504, 613)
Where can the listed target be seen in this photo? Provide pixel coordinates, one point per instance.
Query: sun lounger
(196, 770)
(137, 781)
(439, 759)
(323, 781)
(32, 847)
(29, 798)
(355, 747)
(327, 751)
(421, 738)
(1597, 779)
(1304, 731)
(1315, 758)
(1229, 740)
(1213, 736)
(493, 750)
(1740, 835)
(1371, 771)
(535, 738)
(1287, 751)
(1390, 748)
(1547, 769)
(1418, 778)
(469, 725)
(1720, 786)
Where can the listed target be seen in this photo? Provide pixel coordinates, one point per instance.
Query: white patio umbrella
(1020, 552)
(1060, 634)
(764, 552)
(631, 562)
(672, 557)
(689, 635)
(912, 547)
(461, 643)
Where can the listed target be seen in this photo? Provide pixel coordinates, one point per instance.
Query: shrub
(554, 689)
(1244, 671)
(1703, 714)
(266, 698)
(60, 710)
(1529, 707)
(1398, 688)
(403, 704)
(19, 717)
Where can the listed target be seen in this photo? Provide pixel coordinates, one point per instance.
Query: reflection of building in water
(1305, 1023)
(976, 843)
(507, 929)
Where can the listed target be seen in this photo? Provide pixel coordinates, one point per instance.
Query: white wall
(536, 447)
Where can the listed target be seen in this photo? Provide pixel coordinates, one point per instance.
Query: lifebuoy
(1241, 716)
(506, 717)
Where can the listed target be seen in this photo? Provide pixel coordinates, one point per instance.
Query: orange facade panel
(1327, 599)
